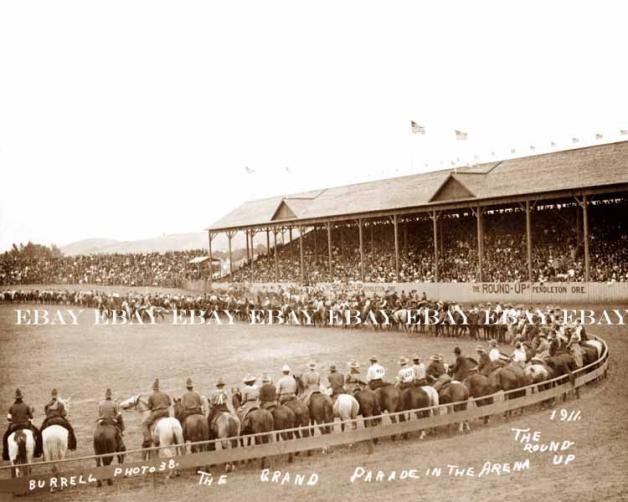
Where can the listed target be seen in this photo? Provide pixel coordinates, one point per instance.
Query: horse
(369, 407)
(257, 421)
(479, 388)
(321, 410)
(389, 400)
(55, 439)
(301, 416)
(346, 407)
(508, 378)
(21, 448)
(195, 427)
(225, 427)
(106, 441)
(458, 394)
(166, 432)
(415, 398)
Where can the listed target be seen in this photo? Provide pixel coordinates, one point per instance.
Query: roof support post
(405, 238)
(210, 236)
(435, 217)
(529, 239)
(372, 240)
(302, 267)
(248, 253)
(478, 213)
(290, 236)
(396, 247)
(331, 272)
(275, 253)
(252, 233)
(315, 244)
(361, 250)
(230, 235)
(267, 242)
(584, 204)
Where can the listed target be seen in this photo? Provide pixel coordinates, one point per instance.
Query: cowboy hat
(220, 382)
(403, 361)
(188, 383)
(107, 393)
(286, 368)
(156, 384)
(249, 378)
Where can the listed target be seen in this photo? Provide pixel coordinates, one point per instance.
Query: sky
(133, 119)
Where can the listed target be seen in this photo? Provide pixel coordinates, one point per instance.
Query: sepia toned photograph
(352, 251)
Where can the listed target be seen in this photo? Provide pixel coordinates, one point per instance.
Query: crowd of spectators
(557, 249)
(557, 253)
(26, 266)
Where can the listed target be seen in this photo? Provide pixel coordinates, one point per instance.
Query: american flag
(416, 128)
(461, 135)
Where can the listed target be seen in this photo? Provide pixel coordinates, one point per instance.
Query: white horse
(21, 448)
(55, 440)
(166, 432)
(346, 407)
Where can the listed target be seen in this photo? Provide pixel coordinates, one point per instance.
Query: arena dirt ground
(82, 361)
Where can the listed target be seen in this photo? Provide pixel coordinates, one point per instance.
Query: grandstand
(556, 217)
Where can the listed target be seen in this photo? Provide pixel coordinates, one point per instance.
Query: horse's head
(131, 402)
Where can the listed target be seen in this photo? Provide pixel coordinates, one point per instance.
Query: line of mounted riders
(300, 401)
(452, 319)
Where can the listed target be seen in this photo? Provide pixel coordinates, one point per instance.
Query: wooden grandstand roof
(570, 170)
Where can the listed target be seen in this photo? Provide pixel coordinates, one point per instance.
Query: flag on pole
(553, 144)
(599, 136)
(575, 140)
(248, 170)
(623, 132)
(416, 128)
(512, 150)
(461, 135)
(531, 147)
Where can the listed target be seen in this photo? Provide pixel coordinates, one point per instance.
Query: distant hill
(173, 242)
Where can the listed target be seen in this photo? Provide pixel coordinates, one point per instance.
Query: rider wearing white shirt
(375, 374)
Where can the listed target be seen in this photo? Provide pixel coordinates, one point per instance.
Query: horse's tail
(21, 450)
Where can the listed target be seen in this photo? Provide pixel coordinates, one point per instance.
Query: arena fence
(73, 471)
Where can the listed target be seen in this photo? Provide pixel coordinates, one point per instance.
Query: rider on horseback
(250, 398)
(109, 414)
(190, 402)
(419, 371)
(159, 406)
(485, 366)
(57, 415)
(353, 383)
(312, 383)
(406, 375)
(218, 401)
(286, 386)
(20, 416)
(375, 374)
(267, 393)
(336, 381)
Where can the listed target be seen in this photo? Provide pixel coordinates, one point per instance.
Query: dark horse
(369, 407)
(301, 416)
(455, 392)
(257, 421)
(321, 410)
(283, 418)
(195, 427)
(106, 441)
(414, 398)
(479, 387)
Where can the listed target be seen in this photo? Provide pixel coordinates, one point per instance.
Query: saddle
(55, 421)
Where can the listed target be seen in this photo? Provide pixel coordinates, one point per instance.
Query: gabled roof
(590, 167)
